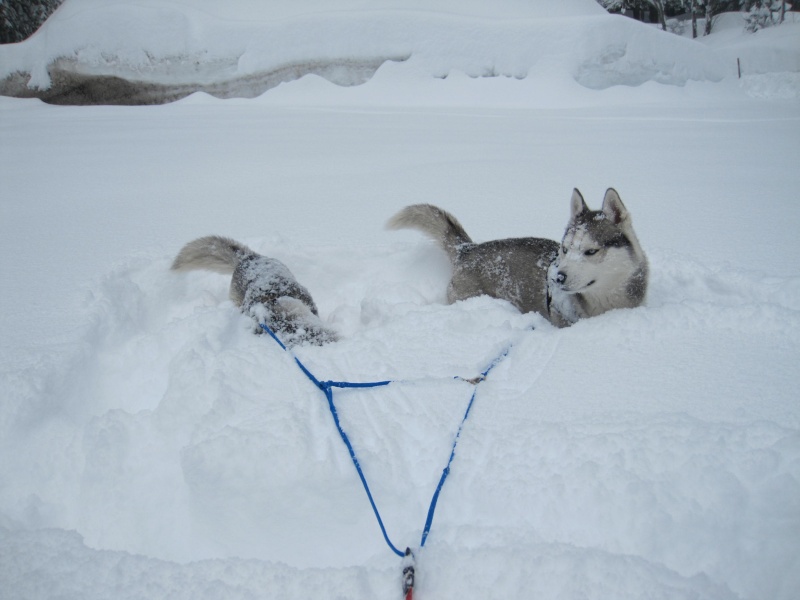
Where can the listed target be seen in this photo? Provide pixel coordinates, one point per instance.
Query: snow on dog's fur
(598, 266)
(262, 287)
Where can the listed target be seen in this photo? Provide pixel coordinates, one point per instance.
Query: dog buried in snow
(262, 287)
(598, 266)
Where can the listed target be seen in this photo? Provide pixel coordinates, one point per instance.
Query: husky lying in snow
(599, 265)
(263, 287)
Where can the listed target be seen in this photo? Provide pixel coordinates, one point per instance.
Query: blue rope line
(329, 395)
(429, 520)
(348, 384)
(327, 389)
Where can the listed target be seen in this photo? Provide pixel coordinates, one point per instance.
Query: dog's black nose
(561, 277)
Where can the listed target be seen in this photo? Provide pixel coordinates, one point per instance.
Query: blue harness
(327, 388)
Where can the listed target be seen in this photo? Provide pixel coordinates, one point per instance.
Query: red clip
(408, 575)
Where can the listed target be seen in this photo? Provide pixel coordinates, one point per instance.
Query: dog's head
(599, 251)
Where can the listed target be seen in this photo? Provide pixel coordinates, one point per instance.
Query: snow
(153, 446)
(191, 42)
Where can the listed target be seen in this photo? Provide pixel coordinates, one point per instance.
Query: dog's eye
(564, 249)
(591, 252)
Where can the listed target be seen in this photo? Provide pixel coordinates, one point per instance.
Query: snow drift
(116, 53)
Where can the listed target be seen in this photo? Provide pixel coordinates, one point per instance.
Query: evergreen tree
(764, 13)
(19, 19)
(657, 10)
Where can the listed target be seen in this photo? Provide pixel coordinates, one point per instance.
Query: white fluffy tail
(434, 222)
(213, 253)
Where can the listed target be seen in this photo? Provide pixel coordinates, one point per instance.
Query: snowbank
(172, 50)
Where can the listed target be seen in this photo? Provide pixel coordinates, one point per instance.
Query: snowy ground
(153, 447)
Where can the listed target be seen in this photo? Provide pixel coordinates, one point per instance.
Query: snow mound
(771, 50)
(151, 53)
(58, 562)
(184, 435)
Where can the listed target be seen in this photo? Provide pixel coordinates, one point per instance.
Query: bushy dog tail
(434, 222)
(213, 253)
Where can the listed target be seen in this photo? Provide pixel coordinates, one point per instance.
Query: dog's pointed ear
(613, 208)
(577, 205)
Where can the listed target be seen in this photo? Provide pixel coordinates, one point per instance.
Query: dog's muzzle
(559, 279)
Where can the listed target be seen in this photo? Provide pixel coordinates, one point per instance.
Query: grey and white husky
(598, 266)
(262, 287)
